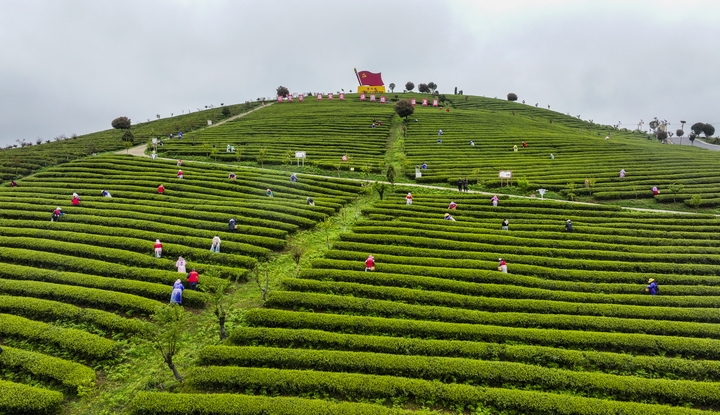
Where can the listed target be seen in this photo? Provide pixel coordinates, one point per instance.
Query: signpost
(542, 193)
(300, 155)
(505, 175)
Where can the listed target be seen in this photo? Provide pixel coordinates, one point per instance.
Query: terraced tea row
(33, 156)
(327, 131)
(556, 154)
(97, 265)
(437, 325)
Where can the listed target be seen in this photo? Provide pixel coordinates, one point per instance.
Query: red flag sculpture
(370, 79)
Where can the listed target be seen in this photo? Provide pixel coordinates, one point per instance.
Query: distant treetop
(121, 123)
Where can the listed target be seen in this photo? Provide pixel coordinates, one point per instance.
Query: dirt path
(139, 151)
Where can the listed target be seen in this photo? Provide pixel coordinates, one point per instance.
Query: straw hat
(568, 220)
(59, 208)
(447, 214)
(651, 280)
(499, 259)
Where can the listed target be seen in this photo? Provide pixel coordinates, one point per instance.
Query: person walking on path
(408, 199)
(370, 263)
(232, 225)
(176, 295)
(505, 225)
(448, 217)
(502, 266)
(55, 217)
(193, 278)
(158, 248)
(460, 185)
(494, 200)
(653, 287)
(215, 246)
(466, 185)
(161, 189)
(180, 264)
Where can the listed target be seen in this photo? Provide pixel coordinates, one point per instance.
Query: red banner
(280, 98)
(330, 96)
(435, 103)
(424, 102)
(372, 97)
(342, 97)
(382, 100)
(370, 79)
(301, 97)
(319, 97)
(412, 101)
(362, 97)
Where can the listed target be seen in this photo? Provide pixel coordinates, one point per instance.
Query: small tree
(325, 226)
(297, 252)
(390, 174)
(697, 128)
(172, 324)
(695, 201)
(432, 86)
(442, 98)
(404, 108)
(261, 156)
(692, 137)
(379, 187)
(392, 87)
(571, 191)
(708, 130)
(264, 290)
(366, 171)
(217, 300)
(423, 88)
(214, 153)
(121, 123)
(512, 96)
(282, 91)
(225, 112)
(675, 188)
(662, 135)
(409, 86)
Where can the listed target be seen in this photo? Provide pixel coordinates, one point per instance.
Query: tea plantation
(436, 328)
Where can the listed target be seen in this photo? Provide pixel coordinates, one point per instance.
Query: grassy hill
(436, 328)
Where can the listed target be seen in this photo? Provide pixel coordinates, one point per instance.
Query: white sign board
(299, 154)
(209, 122)
(505, 174)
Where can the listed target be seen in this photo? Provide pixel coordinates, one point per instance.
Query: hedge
(618, 363)
(382, 308)
(159, 403)
(35, 308)
(629, 343)
(575, 306)
(77, 341)
(154, 291)
(475, 372)
(18, 399)
(81, 296)
(70, 374)
(351, 386)
(523, 287)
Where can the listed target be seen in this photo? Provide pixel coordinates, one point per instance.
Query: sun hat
(651, 280)
(59, 208)
(447, 214)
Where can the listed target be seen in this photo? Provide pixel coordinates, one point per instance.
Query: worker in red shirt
(193, 279)
(161, 189)
(370, 263)
(158, 248)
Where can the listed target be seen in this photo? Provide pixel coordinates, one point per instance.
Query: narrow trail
(139, 151)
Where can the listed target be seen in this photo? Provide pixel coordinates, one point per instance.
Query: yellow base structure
(367, 89)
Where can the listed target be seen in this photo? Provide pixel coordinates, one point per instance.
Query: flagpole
(358, 77)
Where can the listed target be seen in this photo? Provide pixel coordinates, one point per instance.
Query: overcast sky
(71, 66)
